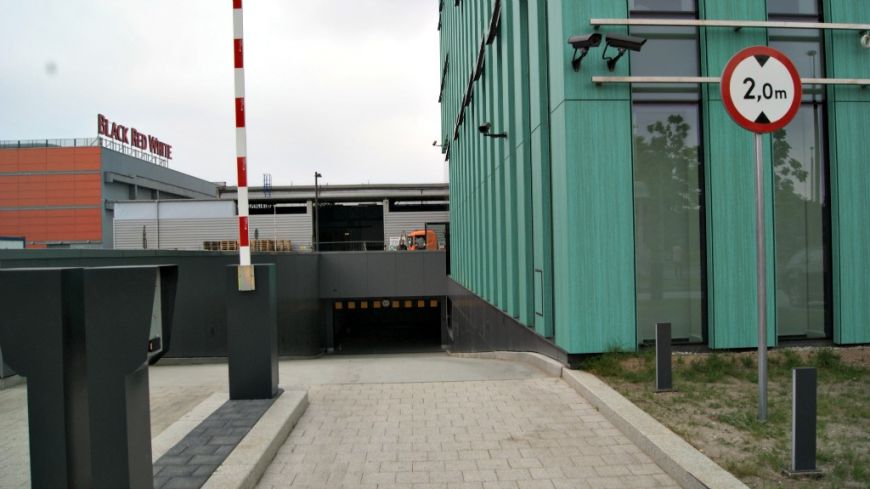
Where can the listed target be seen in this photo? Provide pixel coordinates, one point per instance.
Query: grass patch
(715, 408)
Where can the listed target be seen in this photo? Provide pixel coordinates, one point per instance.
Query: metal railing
(85, 143)
(351, 246)
(50, 143)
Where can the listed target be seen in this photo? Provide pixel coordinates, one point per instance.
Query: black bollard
(803, 422)
(252, 335)
(80, 336)
(664, 377)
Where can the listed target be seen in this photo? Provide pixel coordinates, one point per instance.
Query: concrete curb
(10, 382)
(680, 460)
(689, 467)
(546, 364)
(247, 463)
(170, 437)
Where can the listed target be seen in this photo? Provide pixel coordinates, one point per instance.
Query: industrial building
(588, 205)
(366, 217)
(61, 193)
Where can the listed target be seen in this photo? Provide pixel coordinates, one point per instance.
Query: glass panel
(799, 213)
(669, 51)
(804, 48)
(662, 5)
(793, 7)
(668, 210)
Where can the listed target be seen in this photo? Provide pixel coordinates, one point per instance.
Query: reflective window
(801, 201)
(793, 7)
(669, 51)
(668, 176)
(662, 6)
(668, 205)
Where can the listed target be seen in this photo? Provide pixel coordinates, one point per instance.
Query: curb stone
(247, 463)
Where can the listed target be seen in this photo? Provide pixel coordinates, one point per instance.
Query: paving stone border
(688, 466)
(176, 432)
(190, 463)
(247, 463)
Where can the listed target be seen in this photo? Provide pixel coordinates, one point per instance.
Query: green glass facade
(607, 208)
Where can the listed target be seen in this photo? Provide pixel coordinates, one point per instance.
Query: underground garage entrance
(406, 325)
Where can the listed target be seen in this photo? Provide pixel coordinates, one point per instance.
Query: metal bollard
(664, 377)
(252, 334)
(803, 422)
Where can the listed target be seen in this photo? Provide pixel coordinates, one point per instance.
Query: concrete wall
(199, 323)
(306, 282)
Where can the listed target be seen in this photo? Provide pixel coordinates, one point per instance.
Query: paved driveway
(426, 421)
(529, 431)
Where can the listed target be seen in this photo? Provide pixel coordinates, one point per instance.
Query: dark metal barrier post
(803, 422)
(81, 338)
(664, 378)
(252, 335)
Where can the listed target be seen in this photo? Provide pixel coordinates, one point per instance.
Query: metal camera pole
(317, 175)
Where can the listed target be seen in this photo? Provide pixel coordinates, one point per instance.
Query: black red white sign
(131, 136)
(761, 89)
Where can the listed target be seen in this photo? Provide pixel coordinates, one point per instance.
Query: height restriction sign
(761, 89)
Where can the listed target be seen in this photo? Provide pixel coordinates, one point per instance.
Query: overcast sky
(345, 87)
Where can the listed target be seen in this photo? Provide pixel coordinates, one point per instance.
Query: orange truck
(422, 239)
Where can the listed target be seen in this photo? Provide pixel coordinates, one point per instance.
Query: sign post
(761, 91)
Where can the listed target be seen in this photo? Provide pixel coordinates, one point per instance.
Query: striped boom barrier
(246, 271)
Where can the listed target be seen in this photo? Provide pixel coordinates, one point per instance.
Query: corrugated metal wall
(396, 223)
(189, 234)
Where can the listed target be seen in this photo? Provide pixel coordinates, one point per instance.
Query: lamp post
(316, 212)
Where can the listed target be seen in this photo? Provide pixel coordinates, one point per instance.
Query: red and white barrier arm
(241, 136)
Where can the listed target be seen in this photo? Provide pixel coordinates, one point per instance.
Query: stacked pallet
(262, 245)
(258, 245)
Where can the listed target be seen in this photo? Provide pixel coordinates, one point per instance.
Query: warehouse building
(61, 193)
(365, 217)
(587, 205)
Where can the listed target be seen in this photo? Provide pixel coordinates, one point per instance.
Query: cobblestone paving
(510, 434)
(192, 461)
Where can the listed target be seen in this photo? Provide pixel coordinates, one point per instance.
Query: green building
(590, 211)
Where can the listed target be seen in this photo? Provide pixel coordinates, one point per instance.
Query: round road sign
(761, 89)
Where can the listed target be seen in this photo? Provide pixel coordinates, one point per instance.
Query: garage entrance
(406, 325)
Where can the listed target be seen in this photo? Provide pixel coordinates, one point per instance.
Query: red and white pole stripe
(241, 136)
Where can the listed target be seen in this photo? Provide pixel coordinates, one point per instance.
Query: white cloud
(345, 87)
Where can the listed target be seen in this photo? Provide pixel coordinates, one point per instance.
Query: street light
(316, 212)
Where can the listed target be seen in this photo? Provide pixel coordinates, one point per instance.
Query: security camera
(581, 44)
(588, 41)
(632, 43)
(865, 40)
(623, 44)
(485, 129)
